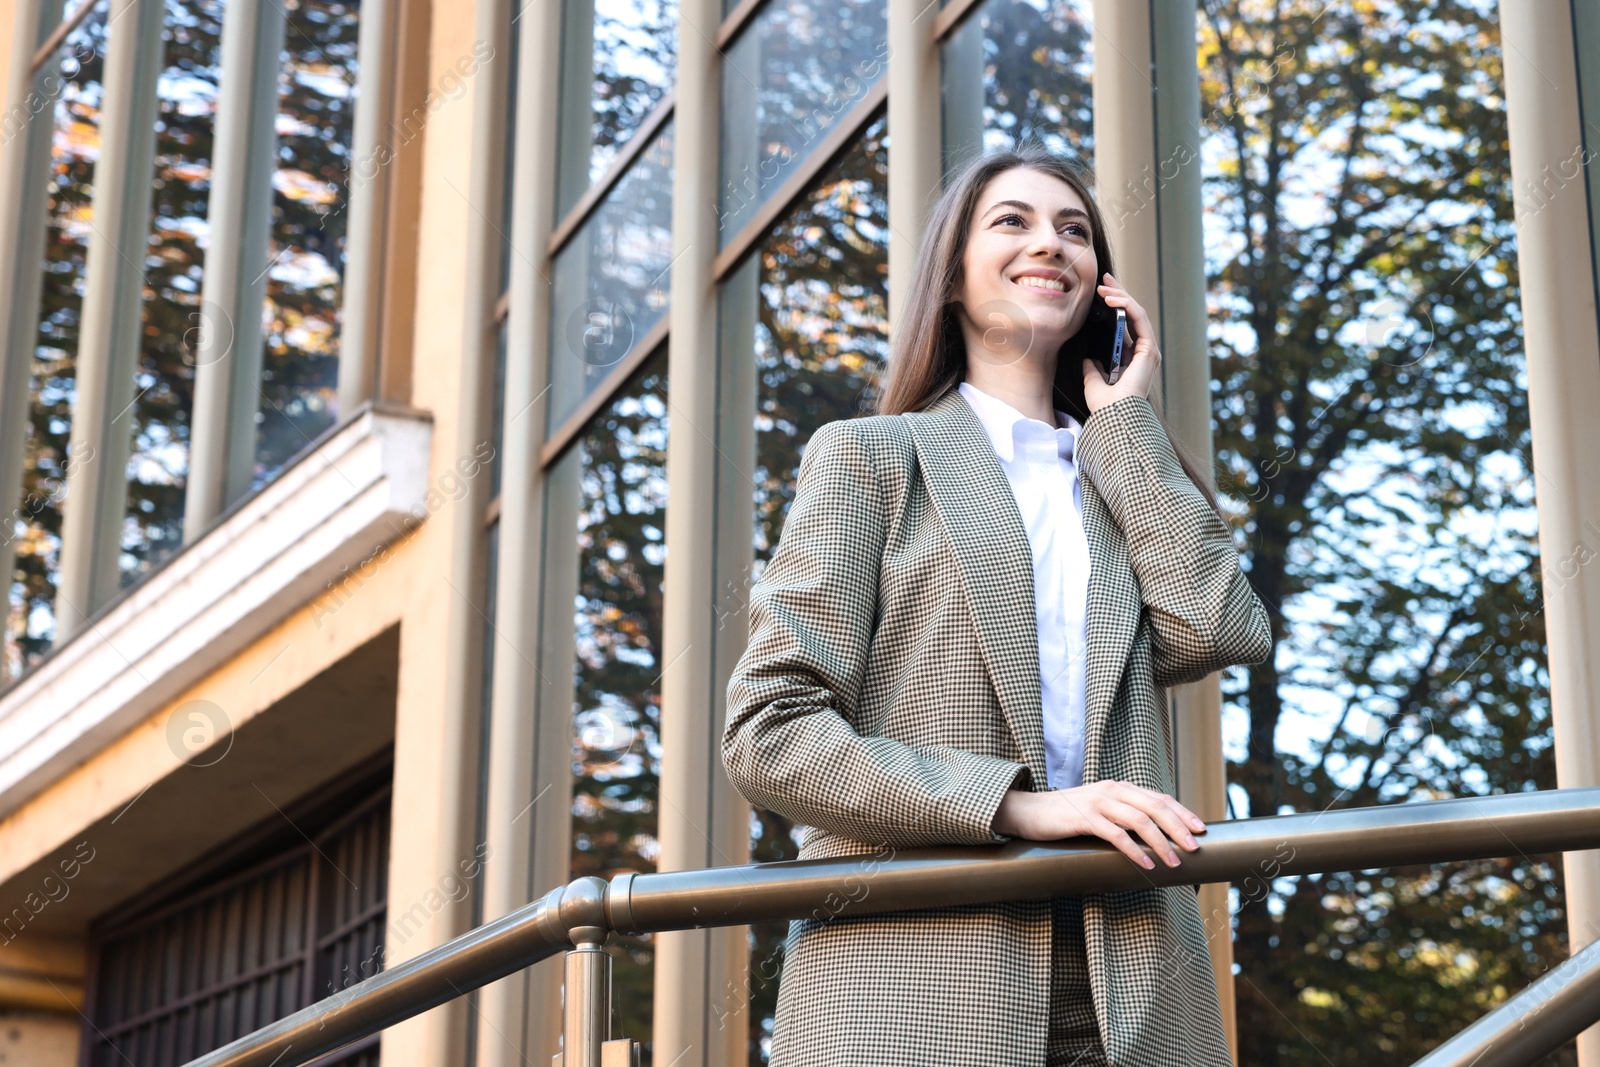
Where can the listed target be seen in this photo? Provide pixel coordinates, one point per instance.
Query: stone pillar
(1556, 260)
(227, 375)
(703, 822)
(529, 819)
(1147, 166)
(914, 135)
(110, 338)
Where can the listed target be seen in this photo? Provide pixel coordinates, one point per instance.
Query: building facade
(328, 322)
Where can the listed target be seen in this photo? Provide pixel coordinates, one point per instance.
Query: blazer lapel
(974, 499)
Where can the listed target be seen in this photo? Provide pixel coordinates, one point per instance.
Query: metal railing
(577, 917)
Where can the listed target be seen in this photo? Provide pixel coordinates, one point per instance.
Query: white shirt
(1038, 462)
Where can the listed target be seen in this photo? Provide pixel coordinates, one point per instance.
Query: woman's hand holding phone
(1107, 810)
(1140, 367)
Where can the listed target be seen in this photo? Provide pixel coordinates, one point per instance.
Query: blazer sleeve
(790, 743)
(1203, 614)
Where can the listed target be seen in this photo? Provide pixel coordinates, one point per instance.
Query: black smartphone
(1119, 337)
(1105, 337)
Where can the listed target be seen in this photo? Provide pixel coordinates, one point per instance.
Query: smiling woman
(964, 635)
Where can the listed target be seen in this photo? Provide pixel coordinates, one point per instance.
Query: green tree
(1372, 426)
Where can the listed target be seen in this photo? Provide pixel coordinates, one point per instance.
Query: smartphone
(1104, 337)
(1117, 341)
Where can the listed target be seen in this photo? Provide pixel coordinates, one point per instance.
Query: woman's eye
(1076, 228)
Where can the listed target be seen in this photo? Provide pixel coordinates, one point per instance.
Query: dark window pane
(611, 280)
(291, 921)
(1373, 447)
(497, 422)
(514, 52)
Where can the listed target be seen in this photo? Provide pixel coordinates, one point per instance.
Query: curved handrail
(1563, 1003)
(889, 880)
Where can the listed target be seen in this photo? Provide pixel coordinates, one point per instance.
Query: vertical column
(530, 761)
(914, 128)
(1562, 339)
(25, 129)
(109, 340)
(222, 435)
(1186, 363)
(703, 822)
(367, 188)
(1147, 166)
(439, 719)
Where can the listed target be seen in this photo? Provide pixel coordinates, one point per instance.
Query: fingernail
(1147, 862)
(1191, 842)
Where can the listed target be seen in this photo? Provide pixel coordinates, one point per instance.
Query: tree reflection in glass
(1019, 71)
(174, 260)
(622, 56)
(305, 272)
(73, 81)
(617, 704)
(821, 339)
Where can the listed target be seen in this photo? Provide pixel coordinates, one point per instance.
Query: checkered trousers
(889, 696)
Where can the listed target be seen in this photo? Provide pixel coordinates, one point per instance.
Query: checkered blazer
(889, 697)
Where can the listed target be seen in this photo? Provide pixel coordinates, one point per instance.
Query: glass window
(620, 462)
(73, 80)
(305, 272)
(611, 280)
(786, 80)
(818, 336)
(158, 462)
(1373, 443)
(1016, 71)
(619, 59)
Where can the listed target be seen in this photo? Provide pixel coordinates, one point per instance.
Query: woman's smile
(1048, 283)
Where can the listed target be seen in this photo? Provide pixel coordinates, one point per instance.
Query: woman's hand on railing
(1106, 810)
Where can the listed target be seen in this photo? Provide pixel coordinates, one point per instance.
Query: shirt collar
(1000, 421)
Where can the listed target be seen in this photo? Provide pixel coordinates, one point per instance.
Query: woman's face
(1029, 271)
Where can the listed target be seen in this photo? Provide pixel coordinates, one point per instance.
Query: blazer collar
(999, 420)
(973, 498)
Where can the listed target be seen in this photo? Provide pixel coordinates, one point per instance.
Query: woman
(965, 635)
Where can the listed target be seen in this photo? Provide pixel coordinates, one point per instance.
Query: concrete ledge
(262, 560)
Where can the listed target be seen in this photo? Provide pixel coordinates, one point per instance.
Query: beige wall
(332, 683)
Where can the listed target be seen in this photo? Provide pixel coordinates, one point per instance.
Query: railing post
(586, 992)
(586, 1020)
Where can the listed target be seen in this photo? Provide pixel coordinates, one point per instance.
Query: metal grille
(192, 974)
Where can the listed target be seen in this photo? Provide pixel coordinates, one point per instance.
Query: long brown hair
(928, 354)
